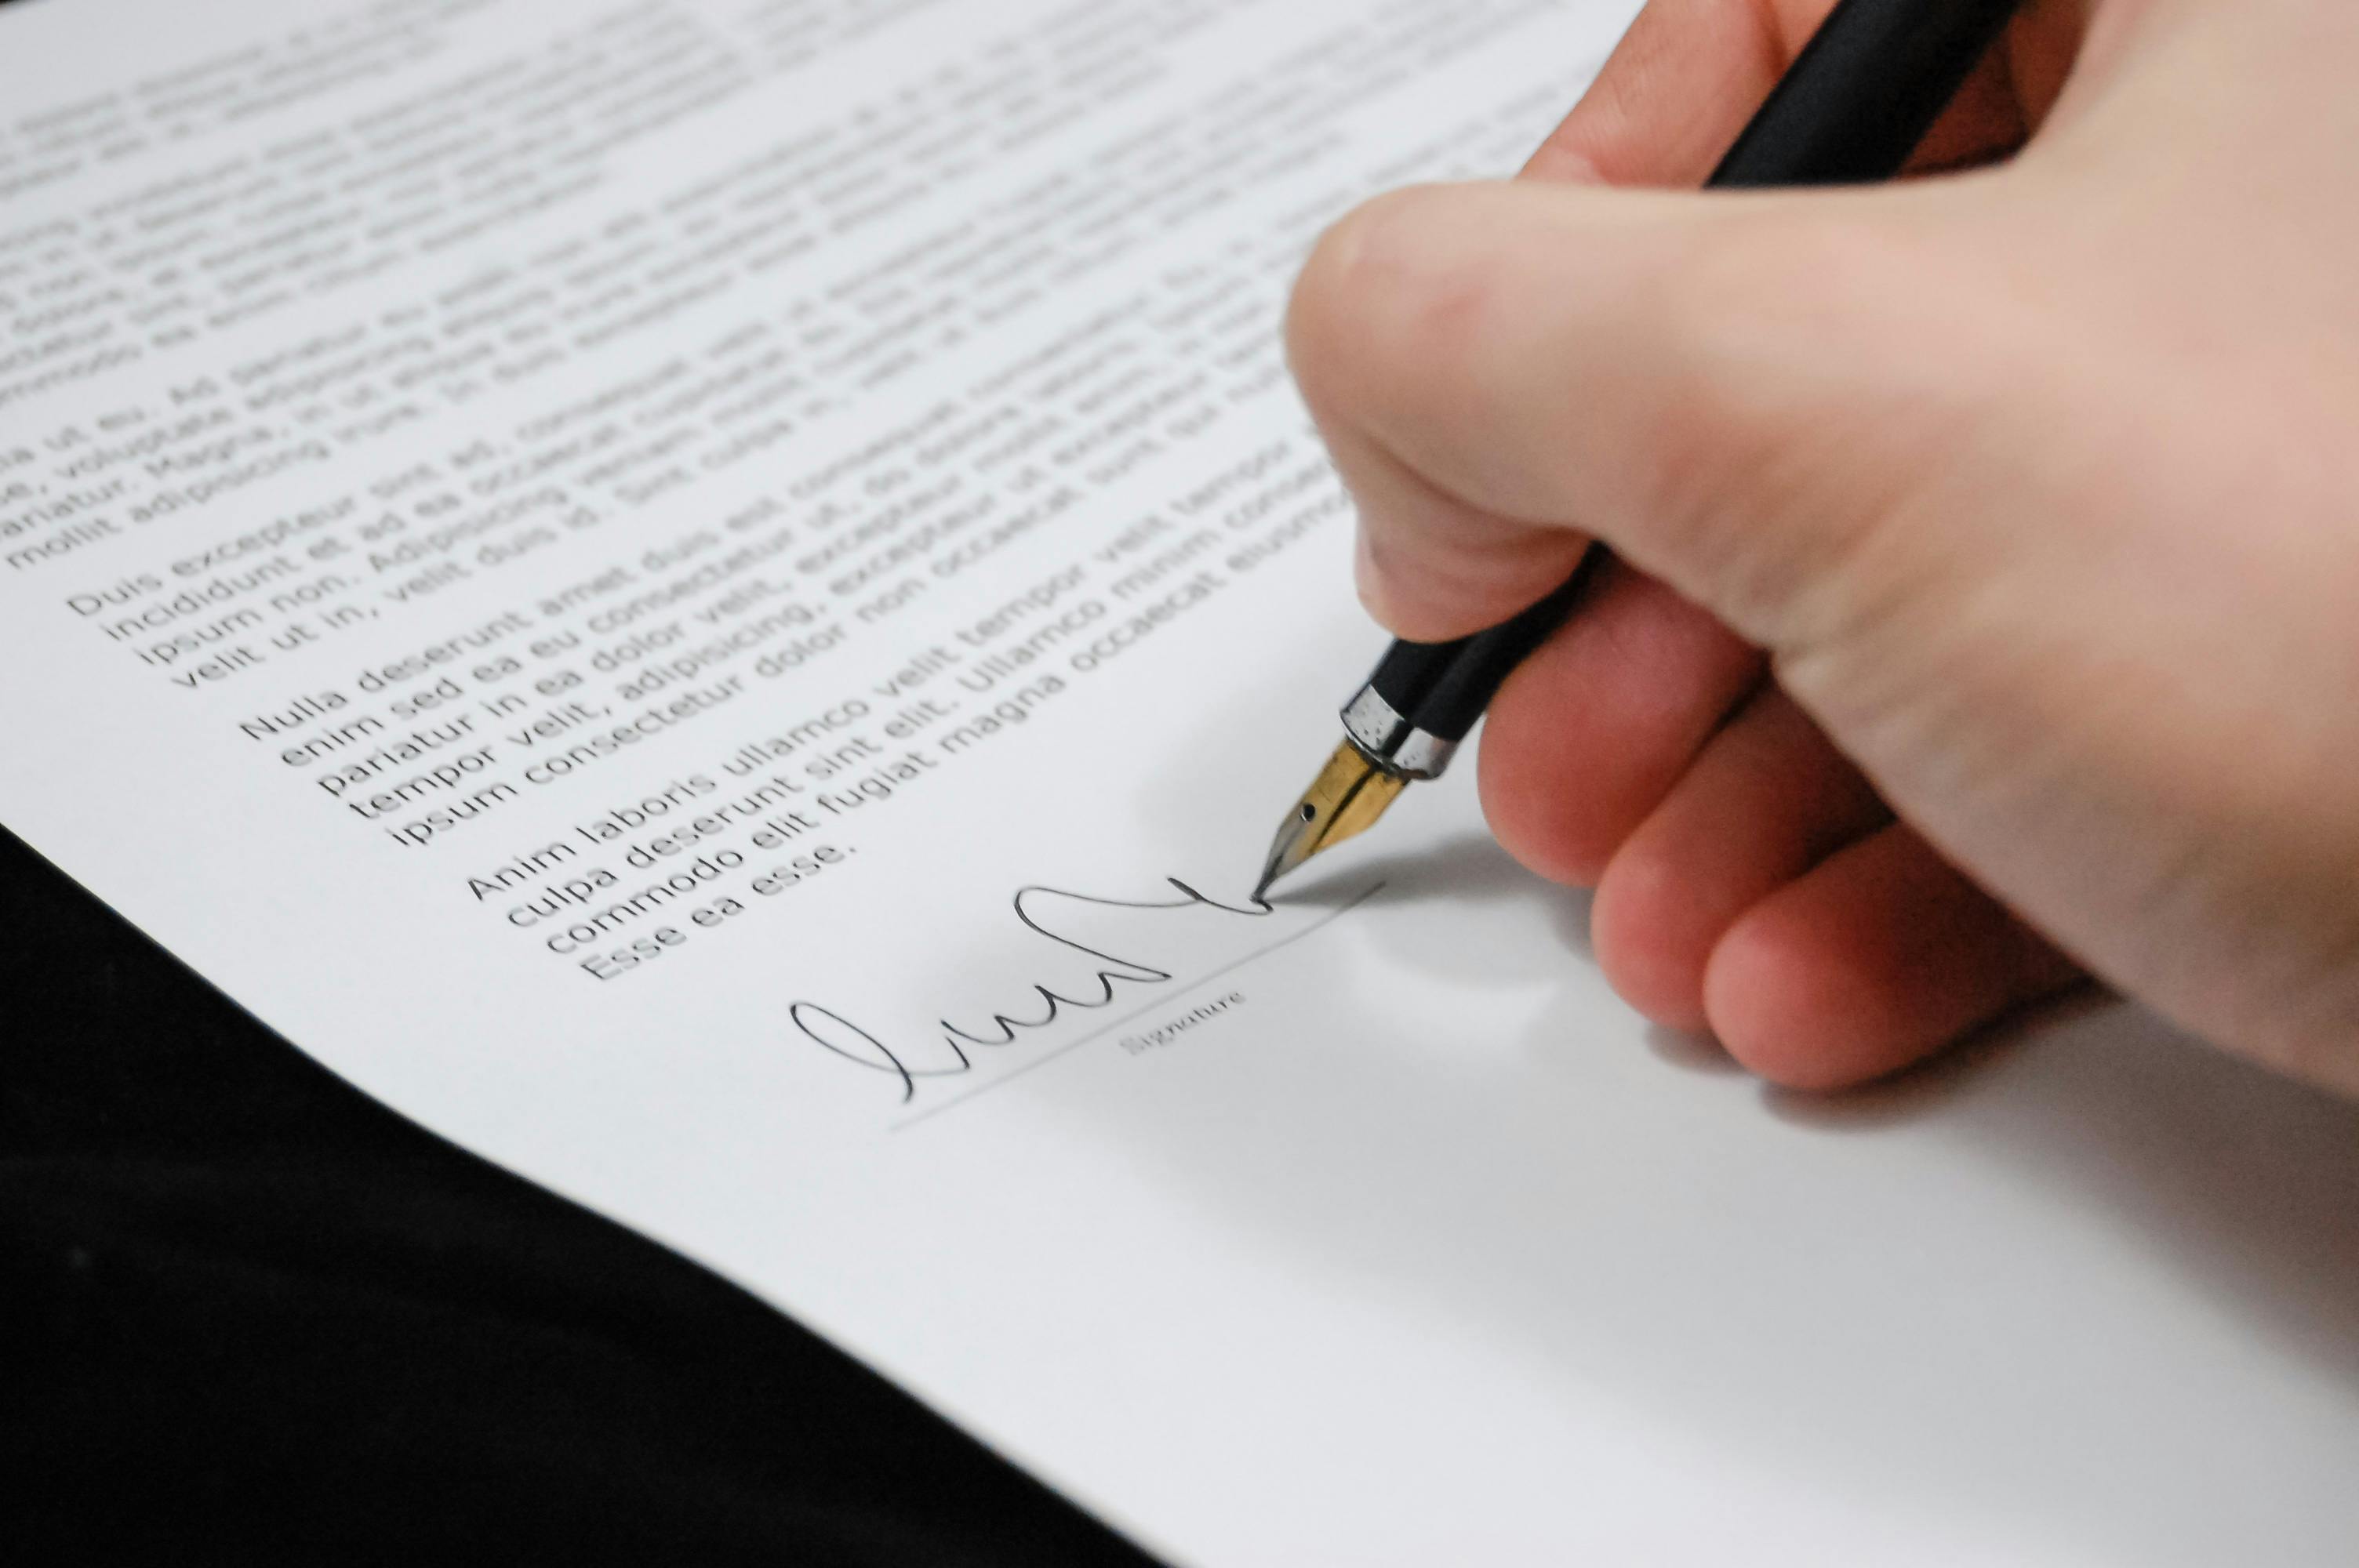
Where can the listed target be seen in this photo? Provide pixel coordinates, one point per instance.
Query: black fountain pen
(1858, 100)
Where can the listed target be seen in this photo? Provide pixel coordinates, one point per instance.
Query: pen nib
(1347, 797)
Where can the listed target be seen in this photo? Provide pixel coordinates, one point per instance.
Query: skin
(1987, 609)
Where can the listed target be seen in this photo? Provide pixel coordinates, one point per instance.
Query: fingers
(1769, 898)
(1591, 733)
(1870, 963)
(1689, 73)
(1986, 121)
(1678, 88)
(1767, 799)
(1752, 883)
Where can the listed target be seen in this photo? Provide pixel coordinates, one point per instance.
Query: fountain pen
(1852, 107)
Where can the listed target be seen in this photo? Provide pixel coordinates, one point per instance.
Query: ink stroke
(953, 1053)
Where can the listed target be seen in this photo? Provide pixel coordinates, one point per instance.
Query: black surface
(243, 1308)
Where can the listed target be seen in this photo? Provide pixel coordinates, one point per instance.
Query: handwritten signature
(824, 1026)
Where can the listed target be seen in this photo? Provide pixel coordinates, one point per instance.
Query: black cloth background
(245, 1310)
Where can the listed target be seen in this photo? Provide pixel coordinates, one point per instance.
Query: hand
(1991, 604)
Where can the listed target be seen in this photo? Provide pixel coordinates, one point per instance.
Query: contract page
(715, 598)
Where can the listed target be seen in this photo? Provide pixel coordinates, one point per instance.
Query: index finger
(1689, 73)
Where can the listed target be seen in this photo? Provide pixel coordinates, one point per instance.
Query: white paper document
(715, 598)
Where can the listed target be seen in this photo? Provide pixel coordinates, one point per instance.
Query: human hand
(1989, 580)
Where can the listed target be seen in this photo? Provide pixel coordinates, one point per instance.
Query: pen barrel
(1443, 689)
(1864, 92)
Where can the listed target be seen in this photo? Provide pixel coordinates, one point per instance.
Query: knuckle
(1383, 300)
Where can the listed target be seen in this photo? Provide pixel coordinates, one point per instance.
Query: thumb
(1736, 392)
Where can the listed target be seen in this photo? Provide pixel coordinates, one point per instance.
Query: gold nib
(1347, 797)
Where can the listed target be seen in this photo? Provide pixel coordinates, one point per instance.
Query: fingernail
(1368, 576)
(1563, 167)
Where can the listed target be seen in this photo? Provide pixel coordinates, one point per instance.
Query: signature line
(1104, 1029)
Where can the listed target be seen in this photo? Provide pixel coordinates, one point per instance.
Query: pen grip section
(1443, 687)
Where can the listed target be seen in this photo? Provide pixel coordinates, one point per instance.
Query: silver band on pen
(1391, 742)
